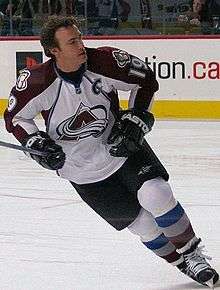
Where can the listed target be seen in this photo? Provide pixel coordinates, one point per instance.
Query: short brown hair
(47, 37)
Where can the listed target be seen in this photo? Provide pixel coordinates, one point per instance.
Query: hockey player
(100, 149)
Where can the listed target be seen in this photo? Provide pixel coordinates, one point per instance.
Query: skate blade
(210, 283)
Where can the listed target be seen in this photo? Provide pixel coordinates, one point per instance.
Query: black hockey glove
(40, 141)
(128, 133)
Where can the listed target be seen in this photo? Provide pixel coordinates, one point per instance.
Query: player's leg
(157, 197)
(153, 238)
(111, 200)
(145, 171)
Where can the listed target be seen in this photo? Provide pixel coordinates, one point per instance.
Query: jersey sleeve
(126, 72)
(24, 103)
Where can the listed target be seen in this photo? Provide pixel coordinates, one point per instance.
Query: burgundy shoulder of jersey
(35, 79)
(30, 83)
(109, 61)
(119, 64)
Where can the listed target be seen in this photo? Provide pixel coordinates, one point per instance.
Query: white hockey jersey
(79, 116)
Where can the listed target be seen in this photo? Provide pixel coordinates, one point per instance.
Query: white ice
(51, 240)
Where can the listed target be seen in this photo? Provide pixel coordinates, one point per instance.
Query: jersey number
(21, 83)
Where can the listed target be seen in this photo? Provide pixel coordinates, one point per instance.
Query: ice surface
(51, 240)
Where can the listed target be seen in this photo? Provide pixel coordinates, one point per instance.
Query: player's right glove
(55, 157)
(128, 133)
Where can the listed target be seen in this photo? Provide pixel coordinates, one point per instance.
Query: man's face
(70, 53)
(197, 5)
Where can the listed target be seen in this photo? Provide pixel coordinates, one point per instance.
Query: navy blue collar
(74, 77)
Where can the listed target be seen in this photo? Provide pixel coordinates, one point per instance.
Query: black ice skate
(196, 267)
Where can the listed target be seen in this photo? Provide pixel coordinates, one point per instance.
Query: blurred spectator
(18, 17)
(7, 10)
(192, 17)
(209, 15)
(124, 10)
(79, 7)
(51, 7)
(107, 14)
(24, 16)
(205, 13)
(110, 13)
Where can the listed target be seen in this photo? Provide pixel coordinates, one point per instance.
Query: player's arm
(126, 72)
(24, 105)
(127, 135)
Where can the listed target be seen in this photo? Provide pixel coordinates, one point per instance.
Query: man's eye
(74, 41)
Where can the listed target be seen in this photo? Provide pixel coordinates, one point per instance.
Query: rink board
(166, 109)
(188, 76)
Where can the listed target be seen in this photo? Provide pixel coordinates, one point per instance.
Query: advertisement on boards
(26, 59)
(187, 69)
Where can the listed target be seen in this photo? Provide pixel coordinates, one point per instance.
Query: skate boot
(196, 267)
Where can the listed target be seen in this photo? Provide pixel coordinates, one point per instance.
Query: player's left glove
(128, 133)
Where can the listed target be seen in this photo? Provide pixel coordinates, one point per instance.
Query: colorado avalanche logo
(122, 57)
(86, 122)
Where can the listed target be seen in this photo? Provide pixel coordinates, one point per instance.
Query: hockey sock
(176, 226)
(163, 248)
(153, 238)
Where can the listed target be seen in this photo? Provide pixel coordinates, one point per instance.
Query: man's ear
(54, 51)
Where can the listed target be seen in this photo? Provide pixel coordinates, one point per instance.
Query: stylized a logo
(86, 122)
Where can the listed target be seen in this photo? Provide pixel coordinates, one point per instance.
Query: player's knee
(156, 196)
(145, 226)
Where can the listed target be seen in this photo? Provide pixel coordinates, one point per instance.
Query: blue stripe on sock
(157, 243)
(171, 217)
